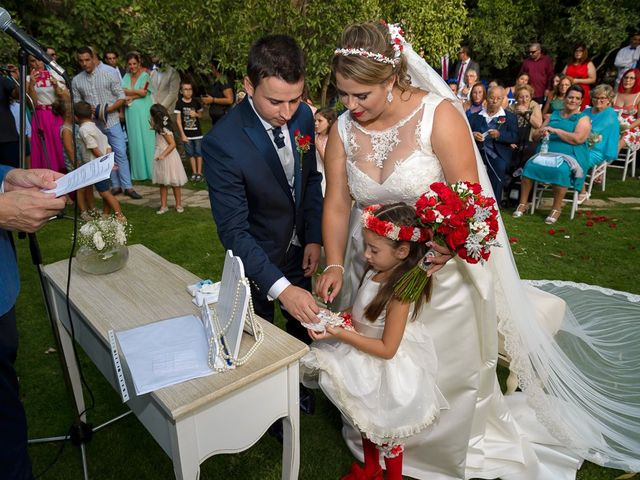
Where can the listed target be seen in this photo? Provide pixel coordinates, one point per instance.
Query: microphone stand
(80, 432)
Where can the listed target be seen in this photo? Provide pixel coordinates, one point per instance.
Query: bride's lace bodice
(392, 165)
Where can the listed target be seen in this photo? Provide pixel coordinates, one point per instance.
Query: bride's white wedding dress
(482, 435)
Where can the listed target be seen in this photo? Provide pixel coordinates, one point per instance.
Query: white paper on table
(88, 174)
(165, 353)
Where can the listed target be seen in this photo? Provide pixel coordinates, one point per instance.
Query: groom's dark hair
(275, 56)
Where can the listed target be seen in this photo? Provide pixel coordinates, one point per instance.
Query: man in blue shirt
(23, 207)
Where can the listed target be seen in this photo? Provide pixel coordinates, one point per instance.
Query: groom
(264, 188)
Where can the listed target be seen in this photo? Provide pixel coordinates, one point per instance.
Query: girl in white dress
(382, 375)
(167, 168)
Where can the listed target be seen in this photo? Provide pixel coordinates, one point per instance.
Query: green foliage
(499, 30)
(602, 25)
(434, 27)
(68, 24)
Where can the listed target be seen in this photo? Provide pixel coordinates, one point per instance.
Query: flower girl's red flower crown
(391, 230)
(397, 39)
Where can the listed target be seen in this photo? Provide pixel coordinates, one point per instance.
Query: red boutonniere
(501, 120)
(303, 144)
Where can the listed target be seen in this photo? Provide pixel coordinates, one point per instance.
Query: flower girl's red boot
(371, 470)
(394, 467)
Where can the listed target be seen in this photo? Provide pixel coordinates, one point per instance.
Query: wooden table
(222, 413)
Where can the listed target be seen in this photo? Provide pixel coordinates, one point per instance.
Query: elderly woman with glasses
(567, 160)
(529, 116)
(603, 140)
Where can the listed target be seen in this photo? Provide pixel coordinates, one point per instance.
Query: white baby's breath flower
(87, 229)
(121, 238)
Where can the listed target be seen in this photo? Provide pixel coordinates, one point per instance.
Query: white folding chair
(540, 188)
(627, 157)
(599, 170)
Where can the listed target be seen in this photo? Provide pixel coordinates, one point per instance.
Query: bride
(403, 131)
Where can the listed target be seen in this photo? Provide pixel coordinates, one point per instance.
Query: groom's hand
(311, 259)
(299, 303)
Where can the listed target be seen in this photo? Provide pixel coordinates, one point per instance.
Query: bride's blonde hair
(371, 37)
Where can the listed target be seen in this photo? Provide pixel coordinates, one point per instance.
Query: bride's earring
(389, 96)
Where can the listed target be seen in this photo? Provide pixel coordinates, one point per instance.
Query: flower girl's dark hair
(398, 214)
(160, 118)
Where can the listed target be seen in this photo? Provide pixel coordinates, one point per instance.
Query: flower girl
(167, 168)
(382, 375)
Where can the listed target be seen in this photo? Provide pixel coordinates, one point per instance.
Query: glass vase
(108, 260)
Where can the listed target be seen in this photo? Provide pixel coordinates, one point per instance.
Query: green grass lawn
(605, 254)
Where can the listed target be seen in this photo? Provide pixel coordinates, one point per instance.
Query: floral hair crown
(397, 39)
(392, 231)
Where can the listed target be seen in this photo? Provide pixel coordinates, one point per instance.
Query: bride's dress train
(541, 434)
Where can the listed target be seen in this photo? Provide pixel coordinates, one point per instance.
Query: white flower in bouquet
(98, 242)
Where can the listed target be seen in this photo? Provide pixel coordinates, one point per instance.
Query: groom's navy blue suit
(252, 203)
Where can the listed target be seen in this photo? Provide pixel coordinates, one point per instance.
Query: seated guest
(510, 95)
(494, 130)
(477, 100)
(566, 162)
(555, 101)
(627, 104)
(453, 85)
(529, 116)
(471, 77)
(605, 130)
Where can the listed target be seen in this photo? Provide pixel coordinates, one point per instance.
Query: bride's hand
(329, 284)
(442, 256)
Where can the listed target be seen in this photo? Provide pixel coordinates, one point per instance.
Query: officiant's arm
(23, 207)
(335, 216)
(453, 147)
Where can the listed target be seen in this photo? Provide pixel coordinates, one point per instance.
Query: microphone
(28, 43)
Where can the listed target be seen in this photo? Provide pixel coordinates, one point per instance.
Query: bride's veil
(583, 381)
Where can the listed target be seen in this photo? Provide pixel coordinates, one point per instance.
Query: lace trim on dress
(373, 432)
(382, 141)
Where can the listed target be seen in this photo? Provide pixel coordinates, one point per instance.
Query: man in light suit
(266, 198)
(494, 131)
(23, 207)
(265, 189)
(166, 83)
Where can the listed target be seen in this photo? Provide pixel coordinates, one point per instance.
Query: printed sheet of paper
(165, 353)
(88, 174)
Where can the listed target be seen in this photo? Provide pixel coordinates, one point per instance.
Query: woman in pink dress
(583, 72)
(44, 88)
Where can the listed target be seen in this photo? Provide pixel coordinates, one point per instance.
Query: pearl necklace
(217, 345)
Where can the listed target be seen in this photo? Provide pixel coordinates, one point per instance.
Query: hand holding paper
(88, 174)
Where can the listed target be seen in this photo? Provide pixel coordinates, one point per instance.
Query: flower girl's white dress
(388, 400)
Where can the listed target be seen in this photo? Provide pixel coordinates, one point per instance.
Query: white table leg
(184, 450)
(59, 310)
(291, 427)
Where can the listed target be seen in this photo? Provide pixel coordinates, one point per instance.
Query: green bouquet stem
(411, 285)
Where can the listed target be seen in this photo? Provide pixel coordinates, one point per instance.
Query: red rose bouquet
(462, 219)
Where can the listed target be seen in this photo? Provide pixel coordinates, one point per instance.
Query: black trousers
(14, 459)
(292, 270)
